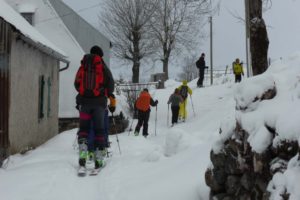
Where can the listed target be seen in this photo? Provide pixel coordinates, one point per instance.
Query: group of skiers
(95, 85)
(178, 101)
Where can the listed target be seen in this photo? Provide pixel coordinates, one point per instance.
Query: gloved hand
(112, 105)
(111, 109)
(111, 96)
(156, 102)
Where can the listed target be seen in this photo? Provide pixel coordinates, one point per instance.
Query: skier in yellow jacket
(238, 71)
(184, 91)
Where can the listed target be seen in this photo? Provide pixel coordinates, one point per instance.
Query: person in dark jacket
(142, 104)
(200, 64)
(92, 103)
(175, 99)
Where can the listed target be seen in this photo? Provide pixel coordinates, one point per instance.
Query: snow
(14, 18)
(26, 8)
(171, 164)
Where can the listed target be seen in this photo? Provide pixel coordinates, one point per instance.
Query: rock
(278, 165)
(218, 160)
(247, 181)
(261, 183)
(244, 196)
(232, 166)
(212, 183)
(220, 176)
(286, 149)
(222, 196)
(232, 184)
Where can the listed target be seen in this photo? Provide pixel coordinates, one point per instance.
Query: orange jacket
(144, 101)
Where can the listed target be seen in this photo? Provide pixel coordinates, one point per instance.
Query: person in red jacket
(94, 83)
(142, 104)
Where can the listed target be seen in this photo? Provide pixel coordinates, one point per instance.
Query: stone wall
(239, 173)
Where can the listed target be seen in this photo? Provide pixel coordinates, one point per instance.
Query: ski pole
(113, 119)
(75, 146)
(155, 119)
(130, 127)
(168, 115)
(184, 110)
(192, 105)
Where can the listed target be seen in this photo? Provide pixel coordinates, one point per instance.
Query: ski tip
(94, 173)
(81, 172)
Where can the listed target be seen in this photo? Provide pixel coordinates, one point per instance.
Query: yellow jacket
(237, 68)
(187, 91)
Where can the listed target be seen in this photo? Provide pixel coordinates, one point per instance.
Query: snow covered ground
(168, 166)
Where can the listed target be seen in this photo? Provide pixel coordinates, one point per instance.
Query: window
(41, 96)
(49, 97)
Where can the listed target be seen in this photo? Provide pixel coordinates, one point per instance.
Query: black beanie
(96, 50)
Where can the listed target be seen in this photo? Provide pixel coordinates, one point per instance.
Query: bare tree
(127, 24)
(259, 42)
(189, 69)
(175, 26)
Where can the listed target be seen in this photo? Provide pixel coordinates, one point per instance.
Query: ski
(94, 172)
(89, 168)
(81, 172)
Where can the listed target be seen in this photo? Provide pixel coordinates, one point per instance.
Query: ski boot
(83, 153)
(99, 158)
(136, 133)
(91, 155)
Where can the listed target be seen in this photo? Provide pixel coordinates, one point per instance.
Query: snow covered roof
(15, 19)
(26, 8)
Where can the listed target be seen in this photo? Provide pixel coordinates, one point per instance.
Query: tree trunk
(259, 42)
(136, 72)
(136, 56)
(165, 68)
(165, 61)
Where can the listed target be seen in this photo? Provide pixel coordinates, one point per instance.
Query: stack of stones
(238, 173)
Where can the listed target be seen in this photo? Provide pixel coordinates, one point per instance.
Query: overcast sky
(229, 33)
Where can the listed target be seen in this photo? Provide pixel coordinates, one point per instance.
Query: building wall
(5, 38)
(26, 130)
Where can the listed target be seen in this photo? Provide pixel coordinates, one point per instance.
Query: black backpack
(184, 91)
(198, 64)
